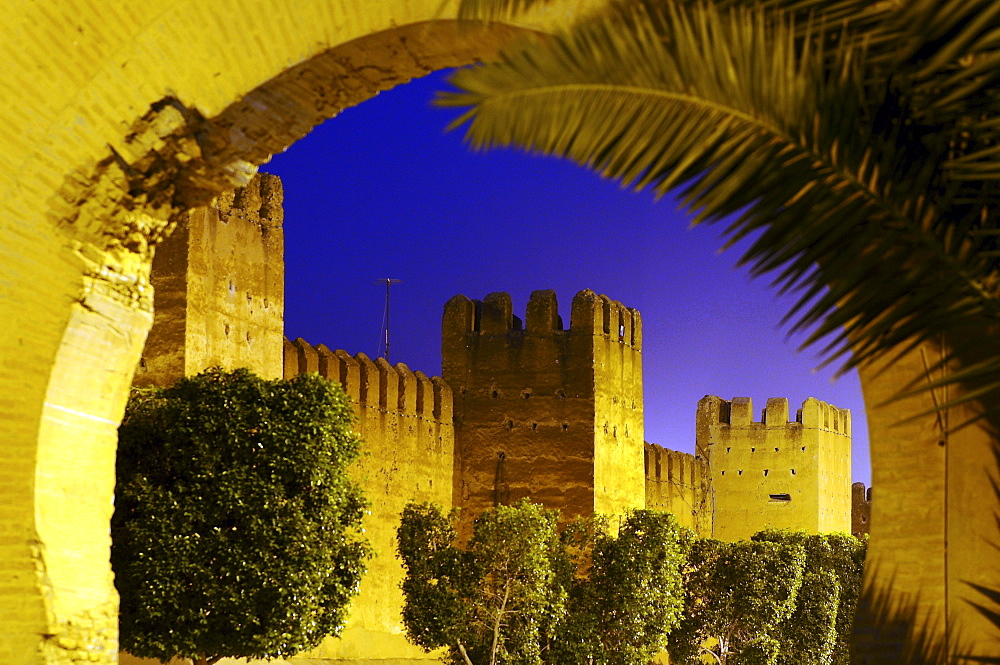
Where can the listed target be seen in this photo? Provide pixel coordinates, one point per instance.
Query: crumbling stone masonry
(219, 288)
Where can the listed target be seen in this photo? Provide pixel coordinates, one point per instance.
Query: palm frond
(852, 169)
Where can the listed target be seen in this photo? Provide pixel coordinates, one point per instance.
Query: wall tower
(545, 412)
(776, 473)
(219, 288)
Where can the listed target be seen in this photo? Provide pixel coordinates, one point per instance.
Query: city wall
(679, 483)
(405, 421)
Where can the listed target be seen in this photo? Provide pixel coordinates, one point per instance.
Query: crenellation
(776, 412)
(740, 412)
(290, 359)
(496, 314)
(459, 317)
(636, 330)
(542, 314)
(327, 363)
(373, 385)
(443, 410)
(370, 387)
(423, 403)
(585, 315)
(348, 372)
(307, 356)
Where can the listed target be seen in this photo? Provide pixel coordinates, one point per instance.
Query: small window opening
(495, 394)
(740, 472)
(526, 393)
(775, 450)
(723, 473)
(534, 426)
(510, 424)
(561, 394)
(793, 472)
(803, 448)
(753, 450)
(728, 449)
(565, 427)
(765, 472)
(780, 498)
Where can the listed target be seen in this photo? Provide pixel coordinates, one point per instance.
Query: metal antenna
(388, 282)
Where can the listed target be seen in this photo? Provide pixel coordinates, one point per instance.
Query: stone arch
(128, 114)
(123, 115)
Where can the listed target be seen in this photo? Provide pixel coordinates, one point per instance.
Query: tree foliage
(491, 602)
(737, 595)
(626, 591)
(819, 631)
(523, 593)
(783, 598)
(858, 140)
(235, 525)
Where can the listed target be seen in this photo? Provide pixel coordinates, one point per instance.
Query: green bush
(235, 531)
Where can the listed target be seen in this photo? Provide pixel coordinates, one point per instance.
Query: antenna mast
(388, 283)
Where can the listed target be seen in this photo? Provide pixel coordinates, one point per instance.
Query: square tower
(544, 412)
(219, 283)
(776, 473)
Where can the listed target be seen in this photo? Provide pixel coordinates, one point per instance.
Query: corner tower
(544, 412)
(776, 473)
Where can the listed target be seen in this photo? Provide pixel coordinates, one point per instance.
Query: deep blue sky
(382, 191)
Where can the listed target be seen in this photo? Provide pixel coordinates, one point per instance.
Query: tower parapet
(775, 472)
(545, 411)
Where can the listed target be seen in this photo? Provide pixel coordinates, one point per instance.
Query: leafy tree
(235, 525)
(488, 604)
(819, 631)
(736, 597)
(625, 594)
(858, 138)
(520, 593)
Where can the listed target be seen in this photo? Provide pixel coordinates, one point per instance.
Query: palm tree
(857, 141)
(860, 139)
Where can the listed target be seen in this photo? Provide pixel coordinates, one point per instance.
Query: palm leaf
(842, 157)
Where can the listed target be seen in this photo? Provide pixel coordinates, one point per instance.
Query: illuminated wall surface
(121, 118)
(787, 475)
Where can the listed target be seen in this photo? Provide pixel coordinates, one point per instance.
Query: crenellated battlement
(373, 384)
(738, 412)
(679, 483)
(591, 314)
(789, 474)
